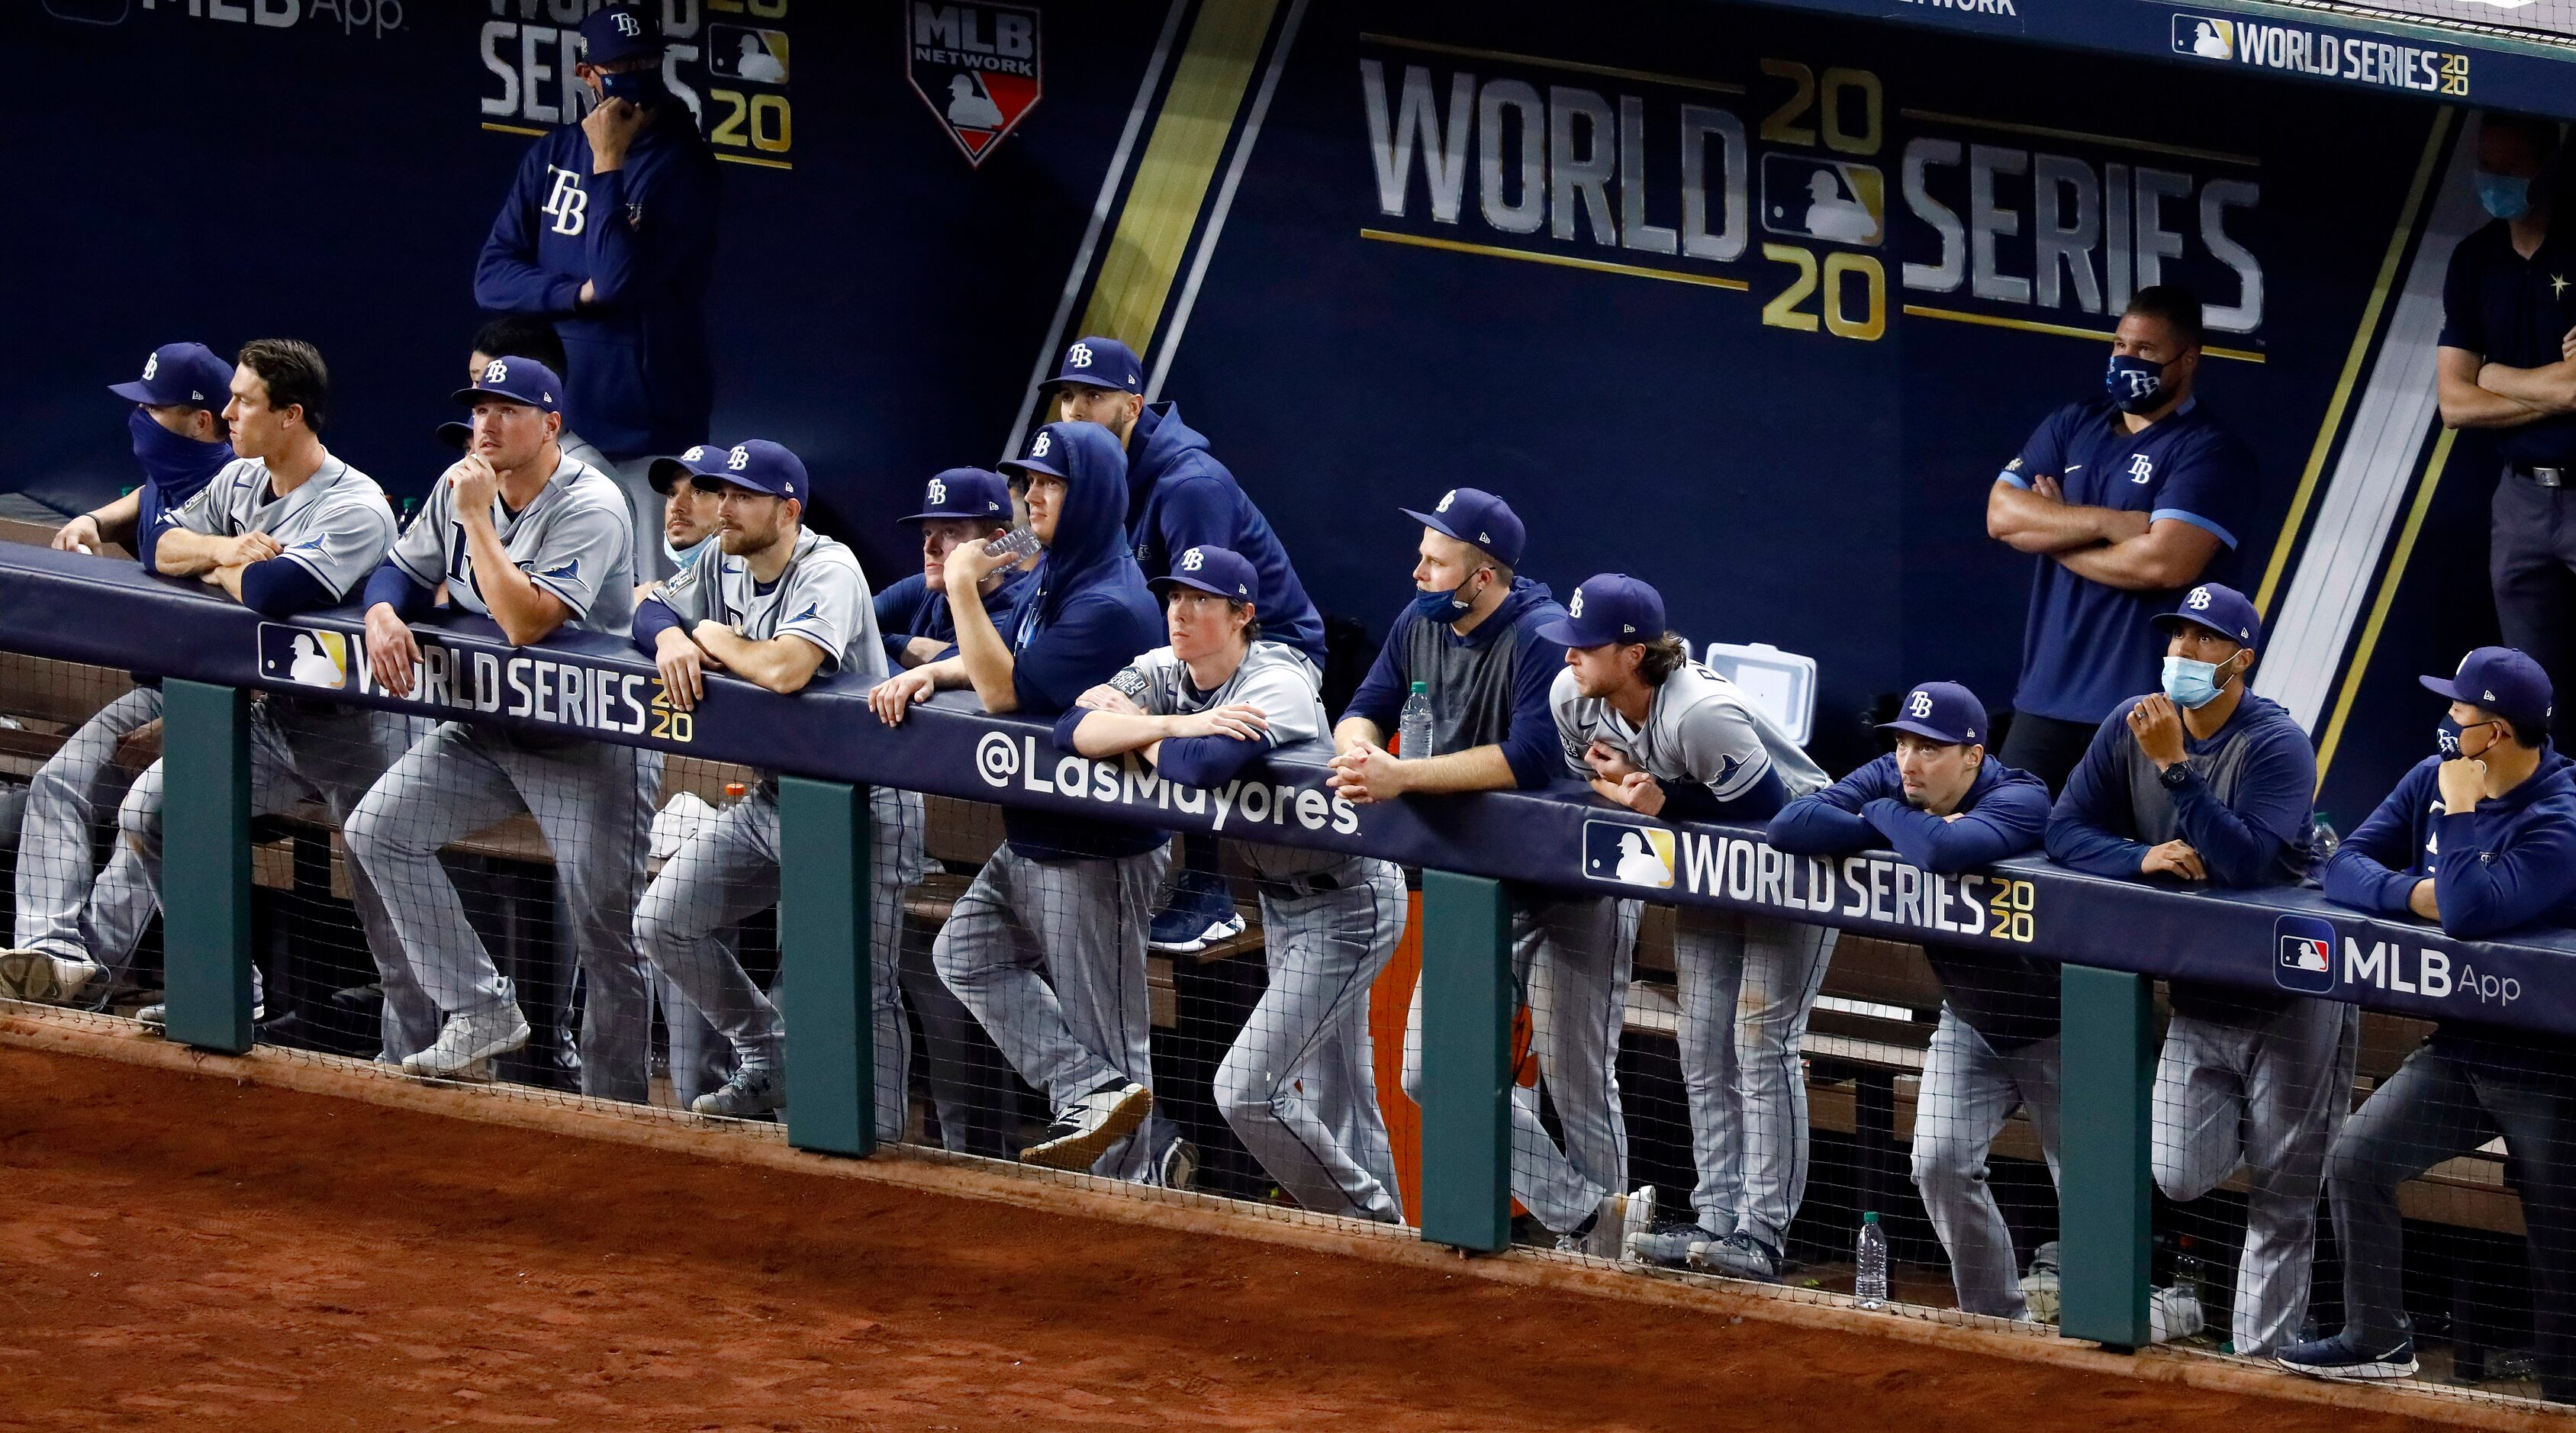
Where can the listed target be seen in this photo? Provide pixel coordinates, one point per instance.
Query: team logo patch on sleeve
(564, 572)
(977, 66)
(1628, 855)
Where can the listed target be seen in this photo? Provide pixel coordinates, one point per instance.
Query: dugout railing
(2114, 939)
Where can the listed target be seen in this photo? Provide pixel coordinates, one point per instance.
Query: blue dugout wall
(1375, 251)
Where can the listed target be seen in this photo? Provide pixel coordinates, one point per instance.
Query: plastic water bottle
(1869, 1264)
(1413, 727)
(2191, 1273)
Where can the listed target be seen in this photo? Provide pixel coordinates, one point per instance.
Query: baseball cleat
(1739, 1256)
(1669, 1245)
(1084, 1130)
(747, 1094)
(1620, 1218)
(42, 976)
(467, 1038)
(1200, 915)
(2344, 1356)
(1179, 1166)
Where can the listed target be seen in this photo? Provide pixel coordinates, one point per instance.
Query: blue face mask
(2133, 384)
(173, 460)
(1447, 606)
(638, 86)
(2446, 738)
(2506, 196)
(2191, 684)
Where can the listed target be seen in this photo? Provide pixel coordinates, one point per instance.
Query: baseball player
(959, 505)
(610, 232)
(1298, 1086)
(1063, 894)
(1181, 497)
(2480, 837)
(2206, 782)
(1666, 737)
(529, 337)
(1472, 639)
(779, 606)
(534, 542)
(62, 914)
(1946, 806)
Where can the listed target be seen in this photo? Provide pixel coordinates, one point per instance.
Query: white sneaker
(750, 1093)
(1084, 1130)
(44, 977)
(1620, 1218)
(465, 1039)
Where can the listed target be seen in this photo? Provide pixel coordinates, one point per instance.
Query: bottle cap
(735, 789)
(1422, 686)
(1869, 1218)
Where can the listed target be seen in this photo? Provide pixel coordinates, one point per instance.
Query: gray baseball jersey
(1275, 677)
(335, 526)
(575, 540)
(1700, 728)
(821, 596)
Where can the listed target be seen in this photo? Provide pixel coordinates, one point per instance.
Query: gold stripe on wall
(2425, 167)
(1152, 239)
(2385, 599)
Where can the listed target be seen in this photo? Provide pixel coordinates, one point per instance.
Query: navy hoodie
(2506, 863)
(1179, 497)
(910, 609)
(1487, 688)
(1085, 614)
(2008, 998)
(639, 380)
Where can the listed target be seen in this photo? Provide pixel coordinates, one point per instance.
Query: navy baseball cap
(968, 493)
(2221, 609)
(1608, 607)
(1473, 515)
(1102, 363)
(2502, 680)
(1944, 711)
(754, 463)
(519, 380)
(1210, 568)
(1044, 445)
(619, 32)
(702, 460)
(180, 373)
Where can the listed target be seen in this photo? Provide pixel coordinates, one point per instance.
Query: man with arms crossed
(1298, 1086)
(1947, 807)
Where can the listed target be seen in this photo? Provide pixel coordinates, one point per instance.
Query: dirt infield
(178, 1247)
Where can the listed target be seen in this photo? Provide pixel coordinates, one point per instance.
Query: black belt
(2545, 477)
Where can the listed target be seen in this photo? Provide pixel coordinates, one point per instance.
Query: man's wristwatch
(2175, 775)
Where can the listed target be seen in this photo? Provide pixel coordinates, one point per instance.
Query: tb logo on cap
(1575, 607)
(2198, 601)
(1078, 356)
(496, 372)
(740, 459)
(1193, 560)
(696, 451)
(1919, 705)
(1045, 441)
(627, 26)
(151, 365)
(938, 492)
(1446, 499)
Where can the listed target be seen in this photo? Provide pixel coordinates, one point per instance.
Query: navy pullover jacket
(2508, 862)
(2008, 999)
(1085, 616)
(1179, 497)
(639, 379)
(1489, 687)
(910, 609)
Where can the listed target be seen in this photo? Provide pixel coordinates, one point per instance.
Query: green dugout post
(205, 865)
(2104, 1193)
(1467, 1002)
(824, 836)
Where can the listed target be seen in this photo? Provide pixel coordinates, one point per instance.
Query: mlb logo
(744, 52)
(1628, 855)
(976, 66)
(2205, 36)
(2303, 955)
(305, 657)
(1827, 199)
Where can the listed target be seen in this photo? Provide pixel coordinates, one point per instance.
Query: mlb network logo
(1628, 855)
(2303, 955)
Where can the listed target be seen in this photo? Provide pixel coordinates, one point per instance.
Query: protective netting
(1213, 1014)
(2555, 18)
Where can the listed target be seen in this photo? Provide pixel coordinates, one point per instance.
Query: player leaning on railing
(1298, 1085)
